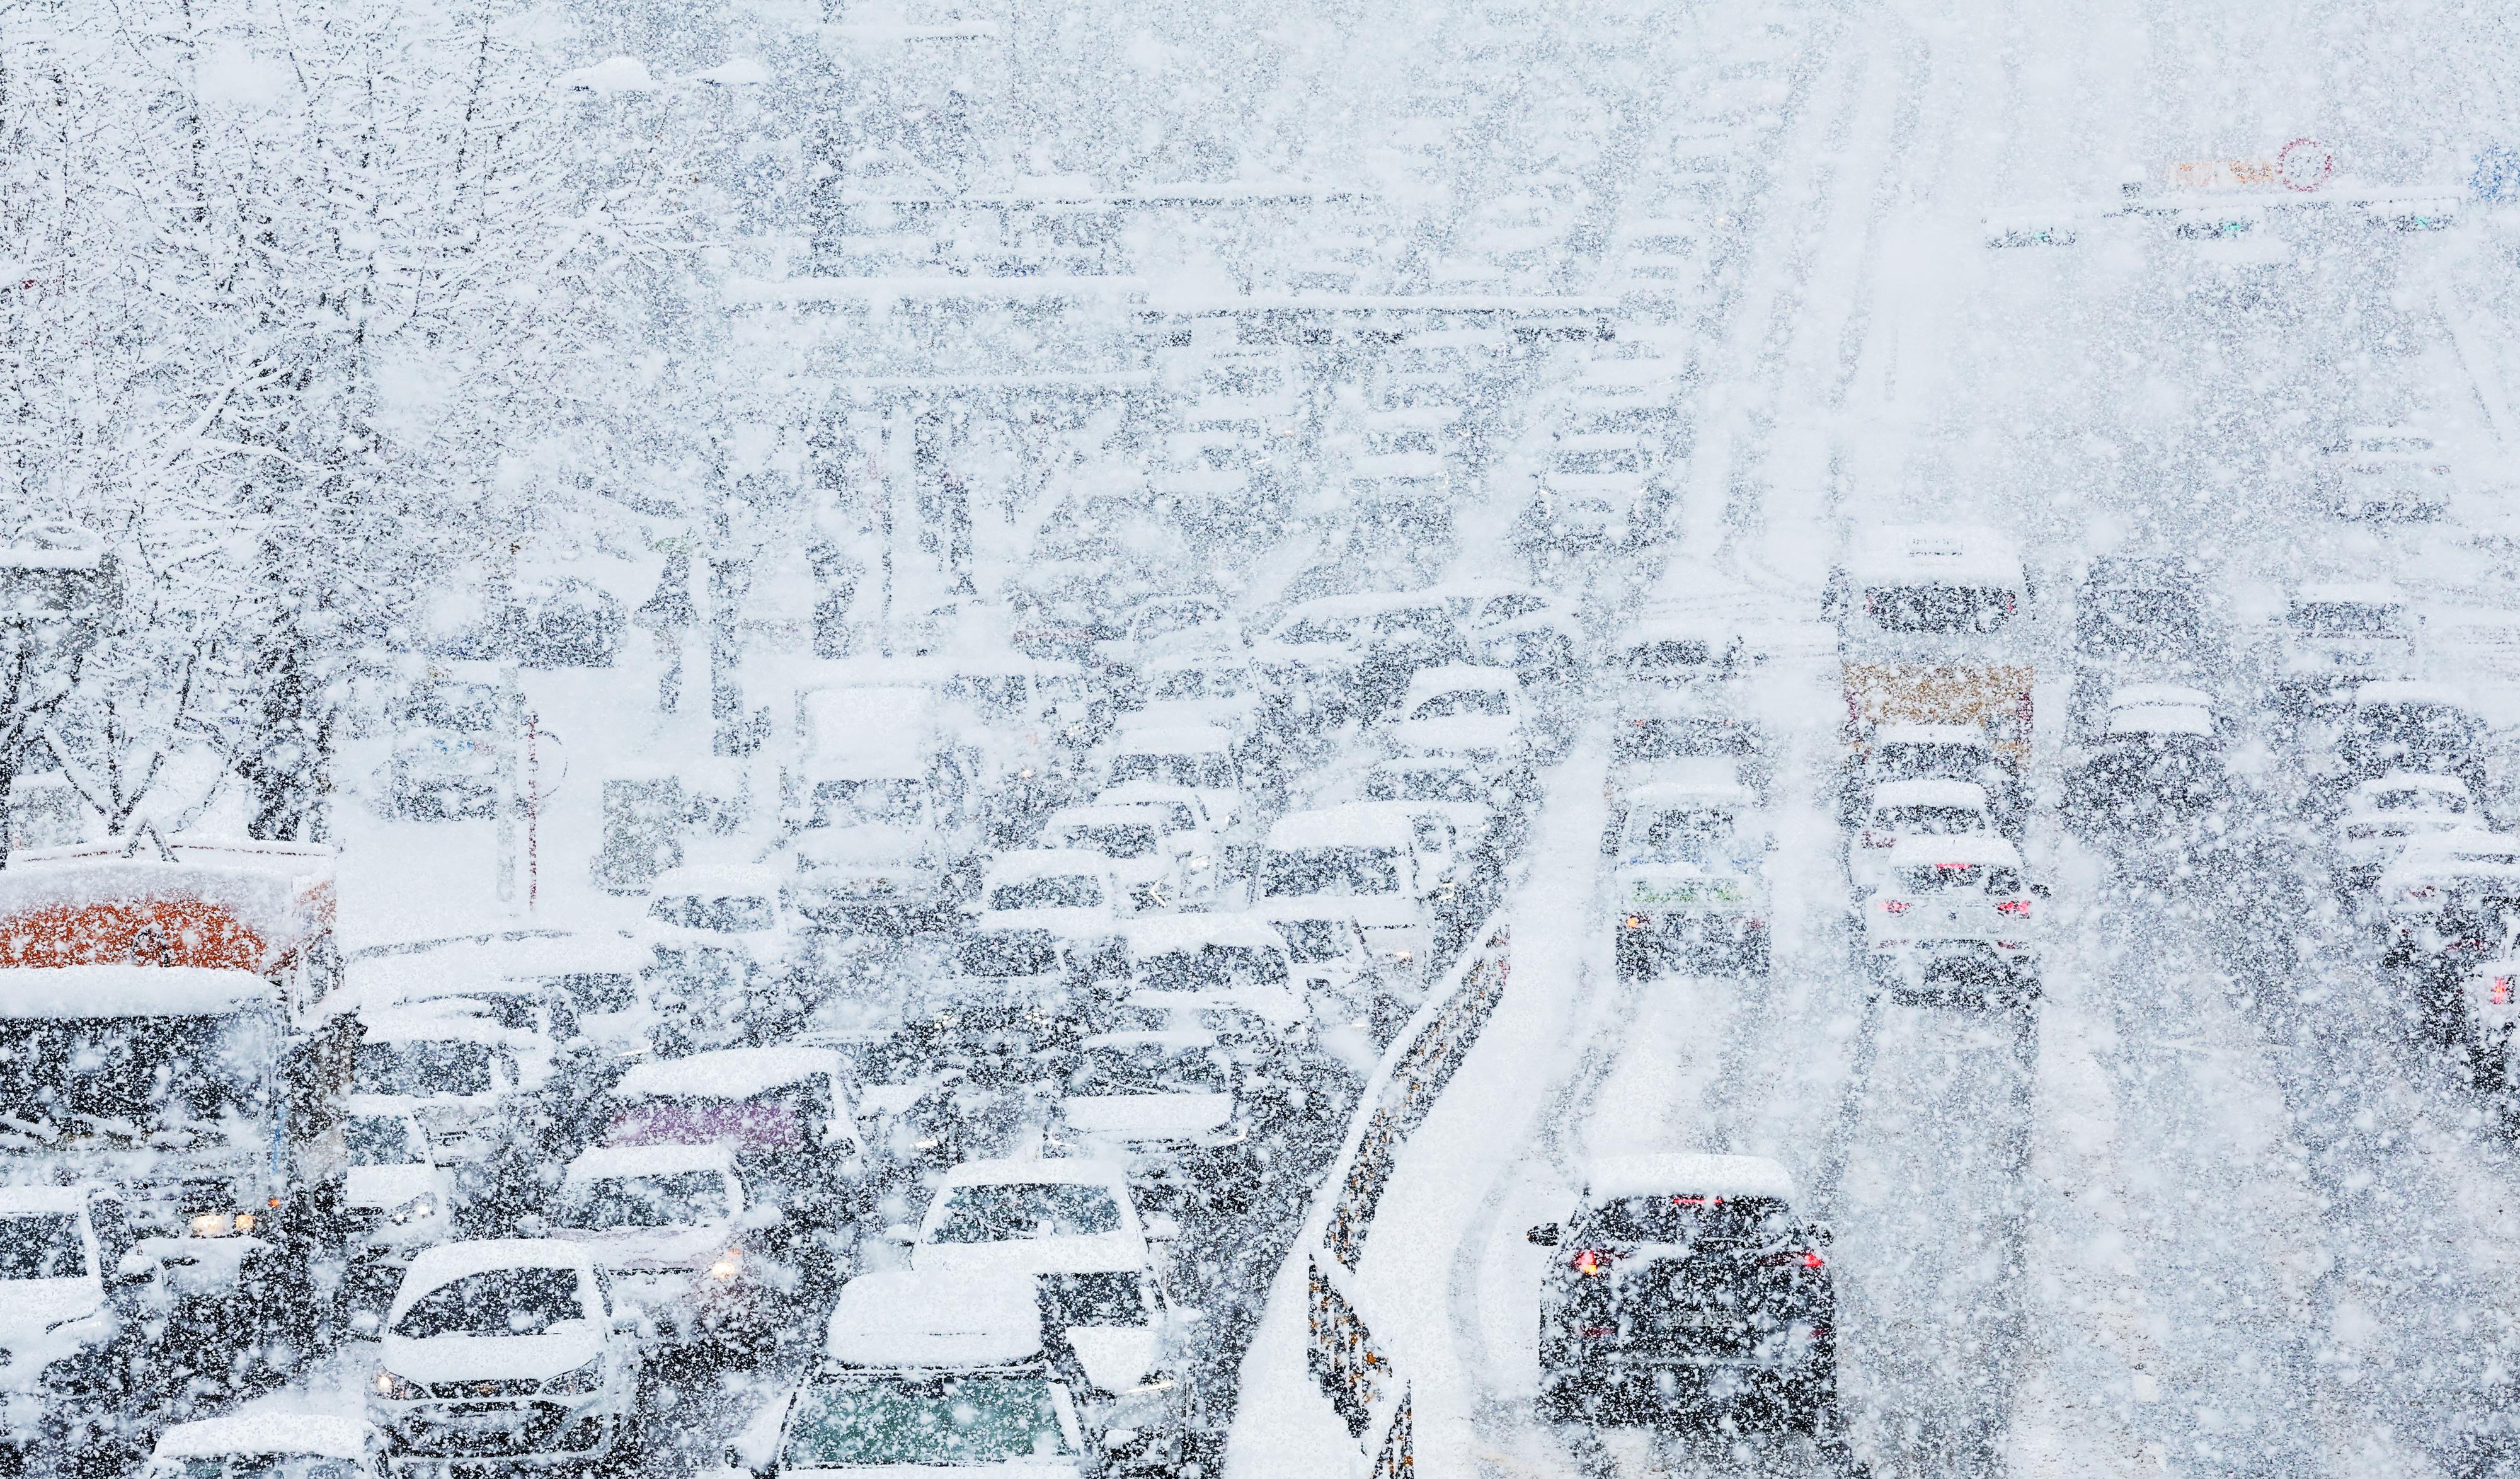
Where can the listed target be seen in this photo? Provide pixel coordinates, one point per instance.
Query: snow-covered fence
(1365, 1385)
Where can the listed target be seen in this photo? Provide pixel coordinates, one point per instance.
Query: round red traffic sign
(2304, 165)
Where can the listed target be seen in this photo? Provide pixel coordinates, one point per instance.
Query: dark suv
(1688, 1284)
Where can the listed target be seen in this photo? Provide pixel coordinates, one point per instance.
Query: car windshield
(1061, 891)
(1148, 1068)
(597, 990)
(2411, 798)
(1669, 738)
(2420, 733)
(1317, 631)
(1689, 834)
(133, 1076)
(495, 1302)
(41, 1245)
(1687, 1220)
(423, 1067)
(473, 708)
(1907, 762)
(1929, 821)
(722, 913)
(1305, 872)
(998, 1212)
(956, 1421)
(1198, 767)
(855, 803)
(1959, 878)
(1934, 608)
(1097, 1299)
(2400, 445)
(1211, 967)
(384, 1140)
(2346, 619)
(1608, 460)
(1453, 784)
(255, 1467)
(659, 1199)
(1464, 703)
(1118, 840)
(1653, 657)
(1311, 941)
(1008, 952)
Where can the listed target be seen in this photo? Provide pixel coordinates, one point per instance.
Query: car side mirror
(2041, 890)
(136, 1267)
(1820, 1232)
(1545, 1235)
(900, 1233)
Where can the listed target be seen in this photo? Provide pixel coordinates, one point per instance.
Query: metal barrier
(1353, 1370)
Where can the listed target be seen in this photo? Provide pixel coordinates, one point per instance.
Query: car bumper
(535, 1432)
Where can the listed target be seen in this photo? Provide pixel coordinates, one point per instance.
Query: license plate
(481, 1422)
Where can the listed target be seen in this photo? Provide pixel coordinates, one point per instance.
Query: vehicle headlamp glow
(1202, 863)
(577, 1380)
(221, 1224)
(419, 1207)
(728, 1265)
(394, 1388)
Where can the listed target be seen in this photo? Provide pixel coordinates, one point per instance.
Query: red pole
(534, 794)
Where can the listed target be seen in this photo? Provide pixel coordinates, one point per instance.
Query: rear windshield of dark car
(1685, 1219)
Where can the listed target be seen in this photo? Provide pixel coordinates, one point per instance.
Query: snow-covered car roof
(45, 992)
(1687, 1175)
(728, 1073)
(1931, 734)
(2142, 695)
(1929, 793)
(15, 1200)
(378, 1106)
(878, 732)
(1160, 934)
(648, 1160)
(320, 1435)
(1365, 603)
(1027, 863)
(1683, 626)
(1064, 1172)
(1680, 793)
(2161, 718)
(718, 880)
(1179, 1040)
(902, 1317)
(2401, 691)
(1695, 772)
(433, 1023)
(1159, 793)
(1203, 658)
(2456, 850)
(1972, 847)
(1457, 678)
(1172, 739)
(1937, 552)
(448, 1261)
(2349, 593)
(1347, 825)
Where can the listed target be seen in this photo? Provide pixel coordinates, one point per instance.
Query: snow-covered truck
(163, 1032)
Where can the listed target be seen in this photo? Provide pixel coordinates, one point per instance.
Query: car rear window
(1001, 1212)
(1959, 878)
(1687, 1219)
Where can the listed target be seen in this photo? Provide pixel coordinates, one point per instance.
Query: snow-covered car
(1193, 809)
(2431, 728)
(1684, 732)
(1947, 580)
(1593, 492)
(1058, 1216)
(1182, 964)
(882, 801)
(1510, 624)
(1955, 920)
(1682, 648)
(786, 1114)
(468, 1081)
(721, 943)
(2332, 631)
(399, 1199)
(2388, 472)
(1684, 1280)
(2443, 907)
(1310, 660)
(671, 1225)
(1165, 1106)
(2489, 1014)
(1457, 710)
(2156, 762)
(1198, 755)
(1159, 864)
(1379, 863)
(447, 748)
(1214, 688)
(1689, 879)
(268, 1444)
(1938, 752)
(2150, 610)
(1046, 938)
(2380, 816)
(1456, 789)
(76, 1299)
(1336, 971)
(1913, 808)
(926, 1375)
(1066, 881)
(505, 1353)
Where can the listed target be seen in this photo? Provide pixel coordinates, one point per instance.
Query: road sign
(2304, 165)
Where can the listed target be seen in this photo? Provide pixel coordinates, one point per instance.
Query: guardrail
(1354, 1371)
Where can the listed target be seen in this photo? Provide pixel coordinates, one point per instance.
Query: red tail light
(1873, 839)
(1600, 1333)
(2019, 908)
(2500, 994)
(1593, 1261)
(1809, 1258)
(1894, 906)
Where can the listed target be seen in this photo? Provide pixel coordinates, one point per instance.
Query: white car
(1453, 788)
(1689, 877)
(2336, 631)
(268, 1444)
(924, 1375)
(720, 940)
(1183, 963)
(505, 1353)
(1904, 809)
(1159, 865)
(1457, 710)
(671, 1226)
(1379, 863)
(2388, 471)
(1957, 919)
(1198, 755)
(2381, 815)
(75, 1302)
(1938, 752)
(1214, 689)
(1163, 1105)
(400, 1199)
(464, 1077)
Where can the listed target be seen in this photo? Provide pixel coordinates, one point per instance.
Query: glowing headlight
(1202, 863)
(420, 1206)
(394, 1388)
(728, 1266)
(221, 1224)
(580, 1379)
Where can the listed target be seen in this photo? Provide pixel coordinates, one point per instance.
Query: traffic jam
(730, 1031)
